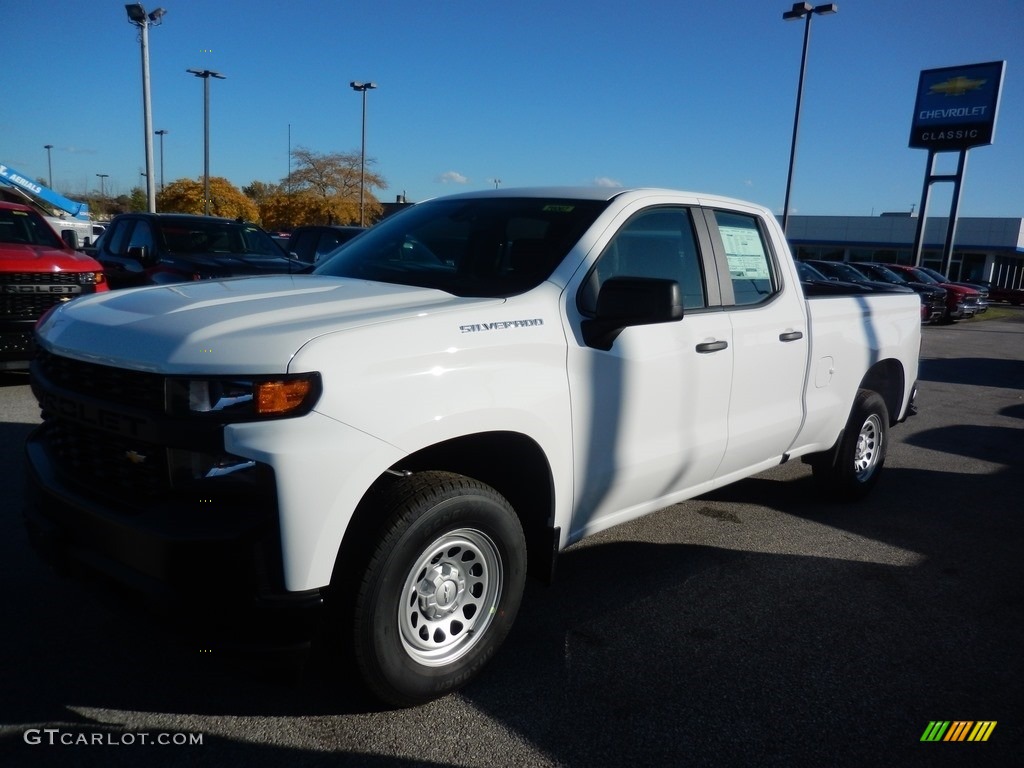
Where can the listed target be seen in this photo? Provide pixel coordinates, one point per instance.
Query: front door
(650, 415)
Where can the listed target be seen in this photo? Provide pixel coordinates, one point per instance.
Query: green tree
(137, 200)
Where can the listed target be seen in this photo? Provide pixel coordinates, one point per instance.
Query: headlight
(91, 278)
(232, 398)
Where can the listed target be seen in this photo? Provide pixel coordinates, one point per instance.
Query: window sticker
(745, 252)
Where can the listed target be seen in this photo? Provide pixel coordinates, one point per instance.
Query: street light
(800, 11)
(206, 74)
(161, 133)
(103, 194)
(49, 163)
(137, 15)
(362, 88)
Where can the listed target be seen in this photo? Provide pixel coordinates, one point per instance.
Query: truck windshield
(28, 228)
(495, 246)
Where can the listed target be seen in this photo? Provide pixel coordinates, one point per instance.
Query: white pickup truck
(446, 403)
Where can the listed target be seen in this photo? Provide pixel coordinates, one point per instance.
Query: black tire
(440, 590)
(850, 471)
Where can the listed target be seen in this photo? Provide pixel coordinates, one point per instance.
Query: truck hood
(20, 257)
(246, 325)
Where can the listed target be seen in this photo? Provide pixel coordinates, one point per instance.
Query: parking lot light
(137, 15)
(800, 11)
(206, 74)
(362, 88)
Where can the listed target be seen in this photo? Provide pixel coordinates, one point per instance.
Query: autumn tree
(325, 188)
(186, 196)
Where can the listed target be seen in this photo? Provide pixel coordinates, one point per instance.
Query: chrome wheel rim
(450, 597)
(869, 448)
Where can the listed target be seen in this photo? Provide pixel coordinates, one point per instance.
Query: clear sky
(688, 95)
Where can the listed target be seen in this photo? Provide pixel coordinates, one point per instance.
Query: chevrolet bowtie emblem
(135, 457)
(957, 86)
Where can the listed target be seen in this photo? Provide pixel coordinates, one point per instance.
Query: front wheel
(441, 588)
(852, 469)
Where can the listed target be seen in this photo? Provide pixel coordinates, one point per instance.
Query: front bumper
(199, 555)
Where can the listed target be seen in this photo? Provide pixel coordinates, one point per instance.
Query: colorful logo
(958, 730)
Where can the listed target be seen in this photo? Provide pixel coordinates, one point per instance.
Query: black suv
(156, 248)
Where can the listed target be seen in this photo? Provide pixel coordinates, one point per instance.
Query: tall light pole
(362, 88)
(137, 15)
(800, 11)
(161, 133)
(206, 74)
(103, 193)
(49, 163)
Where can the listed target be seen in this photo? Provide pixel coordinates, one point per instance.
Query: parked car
(817, 284)
(933, 298)
(1014, 296)
(157, 248)
(961, 301)
(981, 289)
(310, 244)
(838, 270)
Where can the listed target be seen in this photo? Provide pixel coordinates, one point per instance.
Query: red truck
(38, 270)
(962, 303)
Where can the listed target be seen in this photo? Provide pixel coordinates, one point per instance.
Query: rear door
(769, 340)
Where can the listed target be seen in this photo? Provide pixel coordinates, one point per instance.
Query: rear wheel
(852, 469)
(440, 590)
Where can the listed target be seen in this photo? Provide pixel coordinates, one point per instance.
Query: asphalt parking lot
(752, 627)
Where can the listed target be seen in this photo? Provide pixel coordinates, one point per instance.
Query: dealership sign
(956, 107)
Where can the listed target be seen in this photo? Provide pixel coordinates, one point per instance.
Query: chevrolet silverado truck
(38, 270)
(397, 439)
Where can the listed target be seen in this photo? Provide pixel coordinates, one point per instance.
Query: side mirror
(70, 238)
(627, 301)
(142, 254)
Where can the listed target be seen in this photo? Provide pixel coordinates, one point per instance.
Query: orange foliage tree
(186, 196)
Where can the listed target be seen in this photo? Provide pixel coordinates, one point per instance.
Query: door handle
(712, 346)
(791, 336)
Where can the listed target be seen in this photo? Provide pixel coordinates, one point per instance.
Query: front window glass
(142, 236)
(117, 240)
(656, 243)
(496, 246)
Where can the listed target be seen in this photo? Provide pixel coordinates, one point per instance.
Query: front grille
(136, 389)
(40, 278)
(107, 463)
(30, 306)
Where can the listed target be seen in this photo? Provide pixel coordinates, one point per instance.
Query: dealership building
(983, 248)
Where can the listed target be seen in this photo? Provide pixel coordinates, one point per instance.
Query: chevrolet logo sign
(957, 86)
(135, 457)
